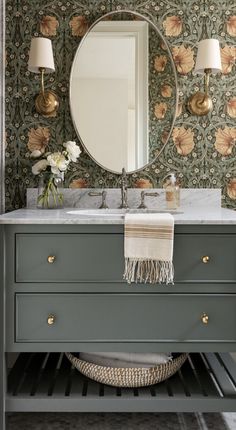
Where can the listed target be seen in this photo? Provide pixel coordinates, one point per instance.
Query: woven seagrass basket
(128, 377)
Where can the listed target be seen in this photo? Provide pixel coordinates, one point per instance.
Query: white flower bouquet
(53, 166)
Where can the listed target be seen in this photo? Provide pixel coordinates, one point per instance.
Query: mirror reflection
(120, 108)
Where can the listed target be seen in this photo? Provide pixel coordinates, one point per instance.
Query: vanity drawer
(78, 257)
(217, 250)
(99, 257)
(124, 317)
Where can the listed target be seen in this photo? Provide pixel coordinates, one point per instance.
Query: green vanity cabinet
(62, 290)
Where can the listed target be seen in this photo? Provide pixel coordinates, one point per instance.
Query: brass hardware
(51, 319)
(201, 103)
(205, 259)
(47, 102)
(205, 318)
(51, 259)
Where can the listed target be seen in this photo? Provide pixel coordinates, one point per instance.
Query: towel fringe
(148, 271)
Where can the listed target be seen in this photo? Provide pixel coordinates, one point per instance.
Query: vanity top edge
(60, 216)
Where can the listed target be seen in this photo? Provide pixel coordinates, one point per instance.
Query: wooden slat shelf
(47, 382)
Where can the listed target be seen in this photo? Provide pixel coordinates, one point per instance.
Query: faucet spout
(124, 192)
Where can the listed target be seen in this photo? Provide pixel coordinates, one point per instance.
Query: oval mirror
(123, 92)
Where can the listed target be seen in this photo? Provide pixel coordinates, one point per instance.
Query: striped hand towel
(149, 248)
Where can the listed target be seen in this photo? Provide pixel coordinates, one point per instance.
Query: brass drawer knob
(51, 319)
(205, 259)
(205, 318)
(51, 259)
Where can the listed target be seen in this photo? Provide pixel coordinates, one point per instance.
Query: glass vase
(50, 191)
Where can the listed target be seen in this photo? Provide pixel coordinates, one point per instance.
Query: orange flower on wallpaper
(231, 25)
(173, 26)
(160, 110)
(231, 107)
(49, 26)
(79, 183)
(228, 56)
(231, 189)
(166, 90)
(79, 25)
(183, 58)
(160, 63)
(38, 140)
(225, 140)
(183, 139)
(143, 183)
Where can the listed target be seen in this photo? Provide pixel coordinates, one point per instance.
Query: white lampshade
(41, 55)
(208, 56)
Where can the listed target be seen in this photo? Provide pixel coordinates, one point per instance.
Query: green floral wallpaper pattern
(201, 151)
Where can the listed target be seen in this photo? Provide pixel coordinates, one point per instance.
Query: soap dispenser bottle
(172, 193)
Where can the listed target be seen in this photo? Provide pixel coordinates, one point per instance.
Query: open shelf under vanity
(42, 382)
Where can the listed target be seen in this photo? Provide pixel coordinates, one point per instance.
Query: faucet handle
(148, 194)
(103, 194)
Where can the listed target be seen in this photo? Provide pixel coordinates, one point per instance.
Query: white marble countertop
(198, 206)
(190, 215)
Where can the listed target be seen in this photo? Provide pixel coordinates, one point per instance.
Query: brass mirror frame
(139, 15)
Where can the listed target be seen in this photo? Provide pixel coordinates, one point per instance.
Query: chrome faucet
(124, 186)
(103, 194)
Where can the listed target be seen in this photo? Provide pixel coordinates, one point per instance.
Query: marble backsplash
(79, 198)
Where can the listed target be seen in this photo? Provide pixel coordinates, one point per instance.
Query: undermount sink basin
(117, 213)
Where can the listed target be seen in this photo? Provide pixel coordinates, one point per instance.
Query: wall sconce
(208, 62)
(41, 61)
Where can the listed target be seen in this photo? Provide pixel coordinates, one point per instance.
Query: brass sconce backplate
(200, 104)
(47, 103)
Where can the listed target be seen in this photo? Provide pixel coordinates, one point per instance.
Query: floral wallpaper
(162, 95)
(201, 150)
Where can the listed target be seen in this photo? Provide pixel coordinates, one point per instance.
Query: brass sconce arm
(47, 102)
(201, 103)
(207, 80)
(42, 71)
